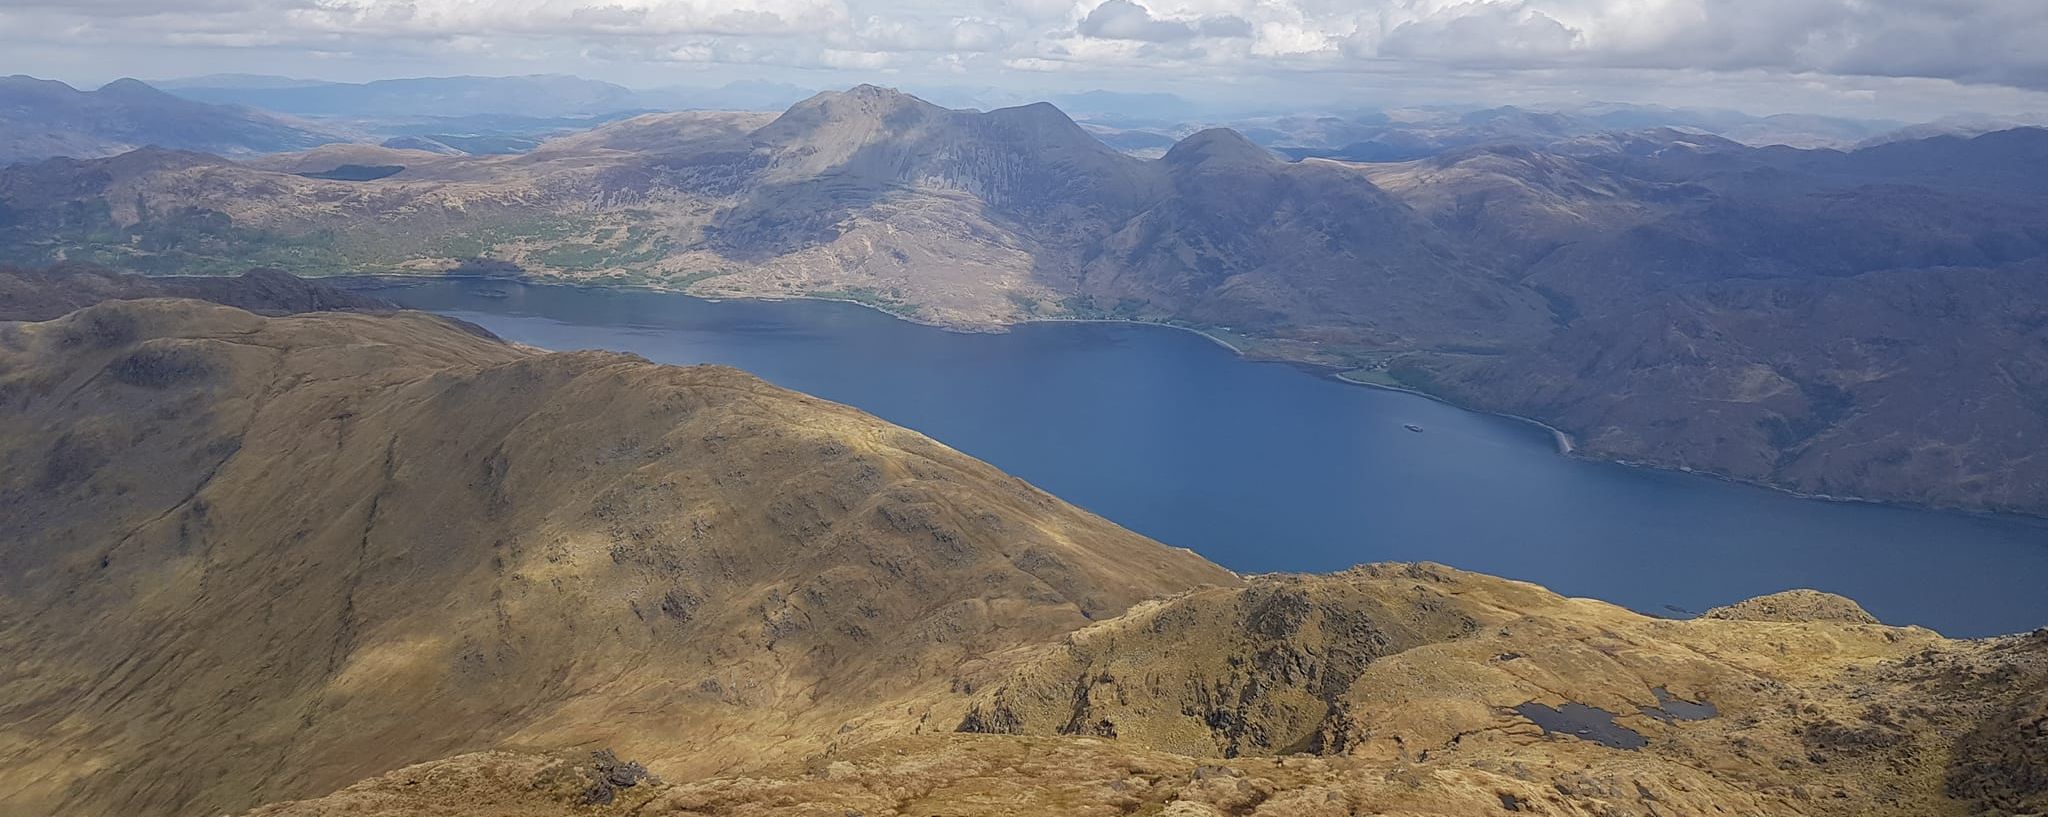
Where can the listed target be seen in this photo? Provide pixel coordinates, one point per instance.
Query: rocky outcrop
(1794, 606)
(1262, 669)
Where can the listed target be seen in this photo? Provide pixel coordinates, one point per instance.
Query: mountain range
(538, 96)
(1854, 323)
(1408, 134)
(513, 114)
(43, 118)
(383, 563)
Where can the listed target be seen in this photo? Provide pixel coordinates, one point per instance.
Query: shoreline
(1564, 442)
(1568, 448)
(1564, 445)
(1129, 322)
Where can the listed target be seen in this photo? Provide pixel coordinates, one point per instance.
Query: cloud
(1995, 41)
(956, 36)
(1126, 20)
(856, 60)
(1974, 42)
(617, 18)
(1498, 34)
(1225, 26)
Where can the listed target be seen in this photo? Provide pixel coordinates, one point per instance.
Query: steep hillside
(44, 118)
(1847, 324)
(256, 558)
(1314, 249)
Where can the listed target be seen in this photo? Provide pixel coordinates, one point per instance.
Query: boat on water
(1412, 427)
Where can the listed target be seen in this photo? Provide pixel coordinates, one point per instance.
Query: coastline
(1129, 322)
(1564, 444)
(1566, 447)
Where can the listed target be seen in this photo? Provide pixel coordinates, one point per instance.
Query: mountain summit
(1218, 145)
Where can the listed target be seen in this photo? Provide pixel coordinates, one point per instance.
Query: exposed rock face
(1795, 605)
(253, 558)
(1262, 669)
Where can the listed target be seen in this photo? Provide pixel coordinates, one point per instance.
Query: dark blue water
(1266, 467)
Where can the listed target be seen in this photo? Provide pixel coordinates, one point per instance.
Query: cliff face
(253, 558)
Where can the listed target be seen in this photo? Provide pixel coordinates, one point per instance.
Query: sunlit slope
(251, 558)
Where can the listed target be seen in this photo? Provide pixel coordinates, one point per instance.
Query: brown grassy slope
(254, 558)
(1421, 667)
(1408, 675)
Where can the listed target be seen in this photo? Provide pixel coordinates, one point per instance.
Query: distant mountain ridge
(1663, 296)
(470, 114)
(43, 118)
(537, 96)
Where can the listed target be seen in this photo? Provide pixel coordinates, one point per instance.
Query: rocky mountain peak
(862, 99)
(858, 114)
(1218, 146)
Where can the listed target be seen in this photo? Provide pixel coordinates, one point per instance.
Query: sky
(1905, 59)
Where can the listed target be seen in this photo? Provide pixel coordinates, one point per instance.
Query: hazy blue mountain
(544, 95)
(239, 81)
(1415, 133)
(476, 115)
(42, 118)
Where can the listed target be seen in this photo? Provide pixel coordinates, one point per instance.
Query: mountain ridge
(1487, 275)
(611, 548)
(49, 118)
